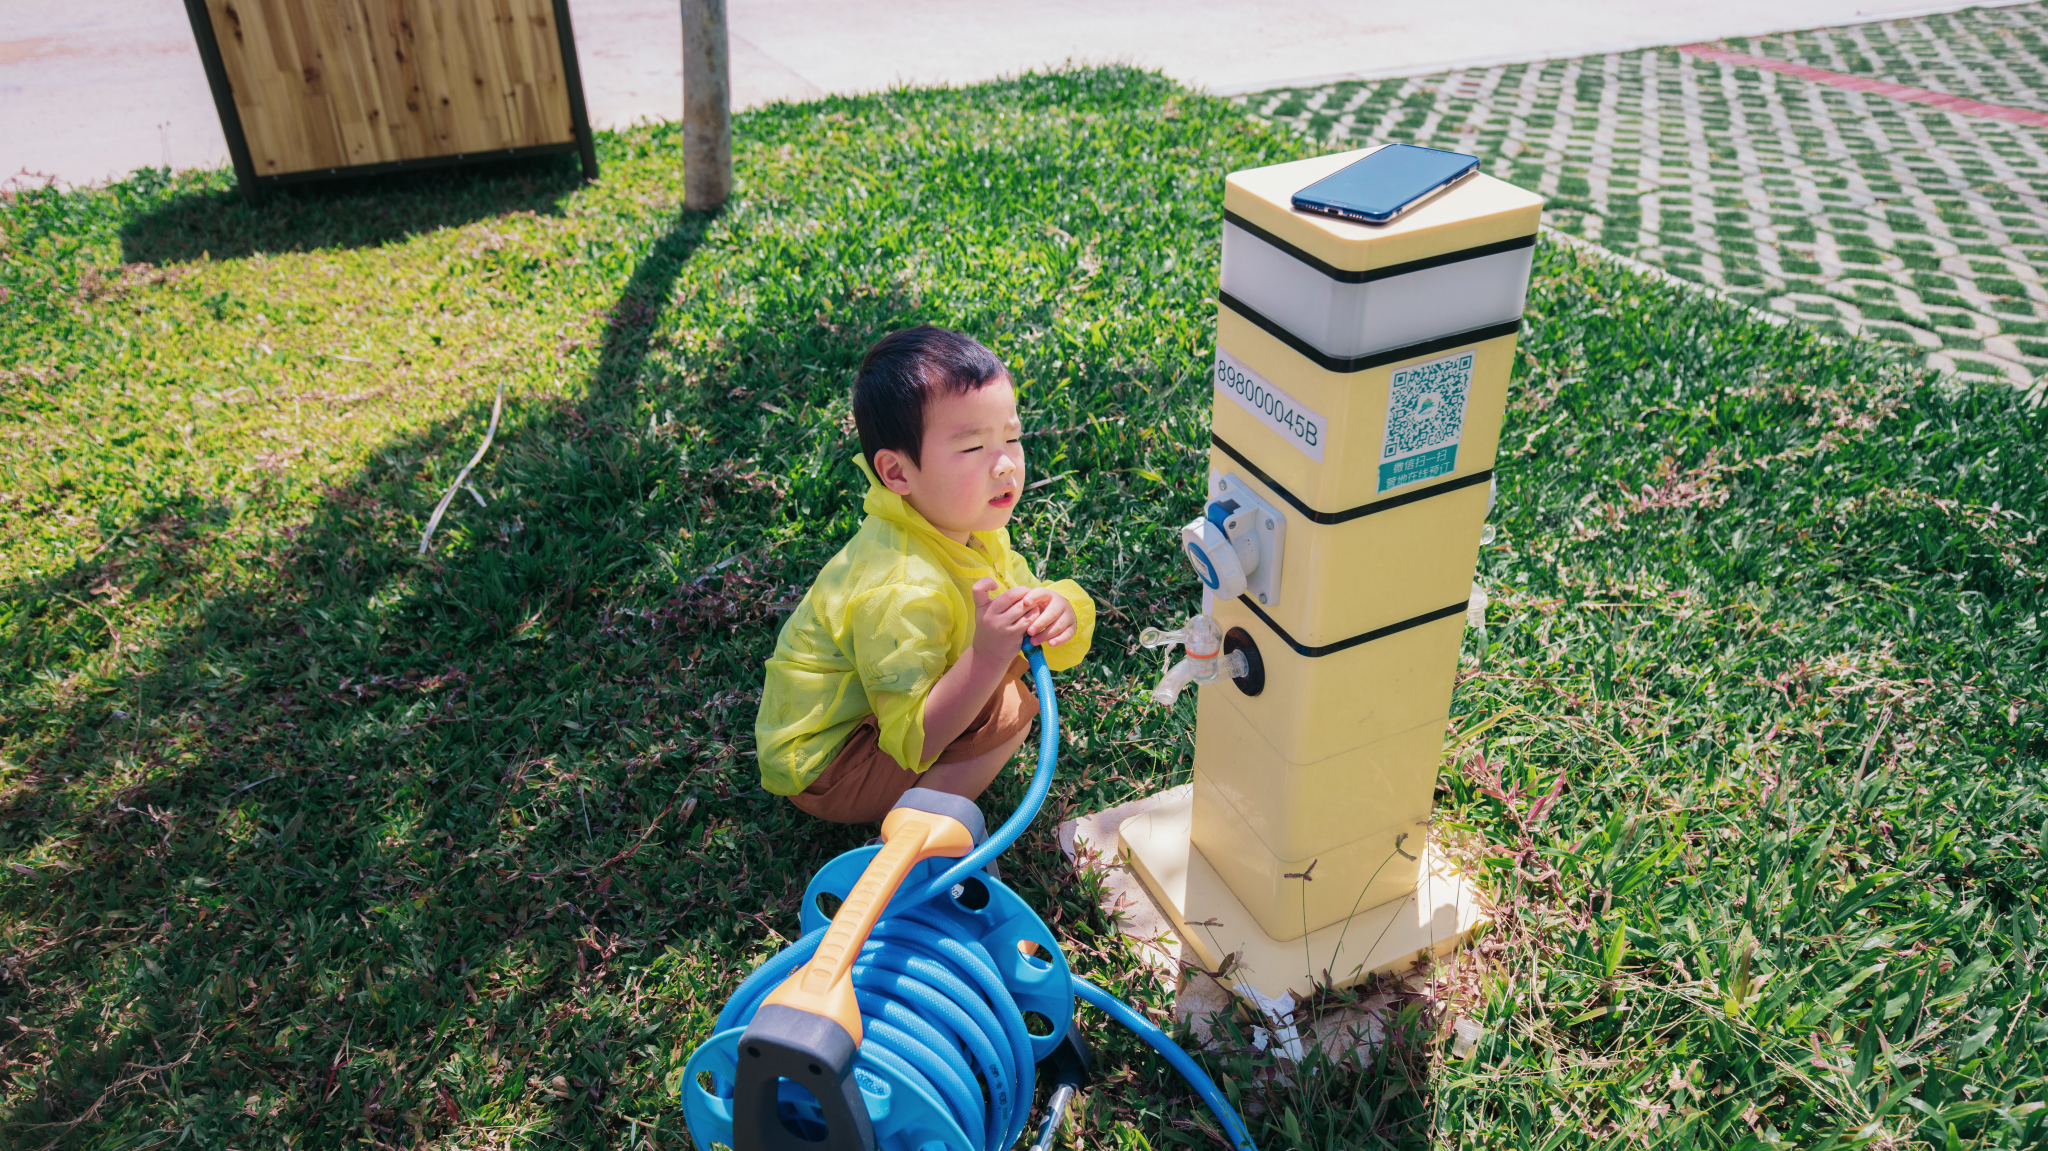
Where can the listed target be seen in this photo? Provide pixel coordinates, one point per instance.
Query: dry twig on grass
(440, 509)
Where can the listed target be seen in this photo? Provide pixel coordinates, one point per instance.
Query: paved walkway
(96, 88)
(1863, 211)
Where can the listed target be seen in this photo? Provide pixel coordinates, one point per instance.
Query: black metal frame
(253, 186)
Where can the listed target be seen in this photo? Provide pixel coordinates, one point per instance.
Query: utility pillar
(1361, 377)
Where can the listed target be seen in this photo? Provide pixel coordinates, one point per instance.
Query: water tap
(1205, 662)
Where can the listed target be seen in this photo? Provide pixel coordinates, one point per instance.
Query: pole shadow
(386, 848)
(365, 791)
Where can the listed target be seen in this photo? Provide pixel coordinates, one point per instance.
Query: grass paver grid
(307, 841)
(1997, 55)
(1854, 211)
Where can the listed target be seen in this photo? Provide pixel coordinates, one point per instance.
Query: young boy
(901, 667)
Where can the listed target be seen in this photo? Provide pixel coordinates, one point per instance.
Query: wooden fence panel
(324, 84)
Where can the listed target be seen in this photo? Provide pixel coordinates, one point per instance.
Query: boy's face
(972, 461)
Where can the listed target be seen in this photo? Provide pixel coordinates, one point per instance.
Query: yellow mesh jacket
(882, 622)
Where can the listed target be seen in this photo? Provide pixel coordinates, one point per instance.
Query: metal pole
(707, 107)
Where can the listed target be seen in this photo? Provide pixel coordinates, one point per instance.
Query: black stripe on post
(1348, 276)
(1370, 360)
(1346, 644)
(1349, 514)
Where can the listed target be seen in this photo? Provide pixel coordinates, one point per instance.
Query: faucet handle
(1153, 637)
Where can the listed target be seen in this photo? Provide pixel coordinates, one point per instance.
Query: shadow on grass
(388, 849)
(380, 817)
(345, 213)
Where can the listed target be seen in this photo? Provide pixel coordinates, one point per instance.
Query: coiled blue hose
(925, 999)
(933, 1008)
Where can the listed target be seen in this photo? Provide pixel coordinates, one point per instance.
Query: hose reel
(914, 1016)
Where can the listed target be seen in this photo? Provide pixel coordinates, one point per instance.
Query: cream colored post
(1360, 381)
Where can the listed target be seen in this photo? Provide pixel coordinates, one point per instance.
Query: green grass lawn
(314, 842)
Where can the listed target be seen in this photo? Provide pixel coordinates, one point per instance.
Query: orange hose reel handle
(925, 824)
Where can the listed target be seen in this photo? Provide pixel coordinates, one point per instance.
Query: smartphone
(1379, 188)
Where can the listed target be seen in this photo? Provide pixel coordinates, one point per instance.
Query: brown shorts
(863, 782)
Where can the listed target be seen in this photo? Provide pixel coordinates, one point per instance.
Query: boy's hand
(1000, 622)
(1052, 617)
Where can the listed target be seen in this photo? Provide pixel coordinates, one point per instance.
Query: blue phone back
(1378, 186)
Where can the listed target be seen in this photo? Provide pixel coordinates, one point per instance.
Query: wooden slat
(336, 83)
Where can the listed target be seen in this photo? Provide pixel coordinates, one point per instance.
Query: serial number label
(1282, 413)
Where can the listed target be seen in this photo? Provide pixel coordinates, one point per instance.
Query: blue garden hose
(1178, 1059)
(948, 1055)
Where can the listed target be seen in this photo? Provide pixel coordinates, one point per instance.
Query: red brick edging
(1960, 105)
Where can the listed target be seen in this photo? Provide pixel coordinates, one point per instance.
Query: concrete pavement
(92, 89)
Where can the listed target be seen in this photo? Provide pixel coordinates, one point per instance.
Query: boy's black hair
(902, 372)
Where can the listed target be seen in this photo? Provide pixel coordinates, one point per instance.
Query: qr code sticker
(1426, 406)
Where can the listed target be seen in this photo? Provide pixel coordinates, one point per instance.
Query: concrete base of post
(1434, 919)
